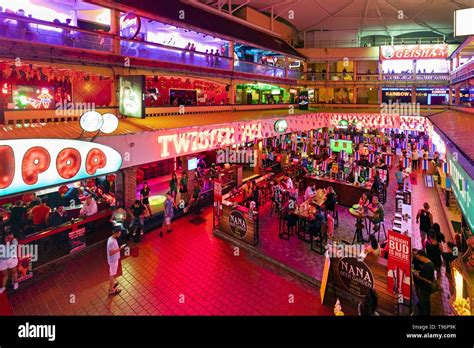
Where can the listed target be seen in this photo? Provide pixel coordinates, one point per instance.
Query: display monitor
(192, 163)
(341, 145)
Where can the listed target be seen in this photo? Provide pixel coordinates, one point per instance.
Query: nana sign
(355, 275)
(414, 52)
(238, 224)
(33, 164)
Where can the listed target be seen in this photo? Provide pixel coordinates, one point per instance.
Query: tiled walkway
(189, 265)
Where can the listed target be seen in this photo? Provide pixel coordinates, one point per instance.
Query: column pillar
(126, 186)
(457, 96)
(286, 67)
(115, 29)
(231, 54)
(379, 95)
(305, 70)
(327, 70)
(354, 96)
(413, 95)
(354, 68)
(257, 154)
(231, 93)
(450, 95)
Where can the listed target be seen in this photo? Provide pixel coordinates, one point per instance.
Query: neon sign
(39, 98)
(130, 25)
(32, 164)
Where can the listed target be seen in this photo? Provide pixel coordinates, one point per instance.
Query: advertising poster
(217, 201)
(398, 266)
(131, 98)
(24, 268)
(77, 240)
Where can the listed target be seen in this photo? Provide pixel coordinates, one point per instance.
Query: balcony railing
(15, 27)
(259, 69)
(171, 54)
(367, 77)
(295, 75)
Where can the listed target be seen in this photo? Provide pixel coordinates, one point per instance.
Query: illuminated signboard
(463, 188)
(414, 52)
(31, 97)
(175, 145)
(341, 145)
(464, 22)
(33, 164)
(131, 96)
(280, 126)
(130, 25)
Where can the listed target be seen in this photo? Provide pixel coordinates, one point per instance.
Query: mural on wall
(167, 90)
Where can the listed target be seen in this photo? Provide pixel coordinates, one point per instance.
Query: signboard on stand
(217, 201)
(77, 240)
(398, 266)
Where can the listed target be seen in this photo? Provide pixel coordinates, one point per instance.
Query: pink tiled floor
(189, 264)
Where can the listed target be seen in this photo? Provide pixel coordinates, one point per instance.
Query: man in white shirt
(310, 191)
(89, 208)
(113, 258)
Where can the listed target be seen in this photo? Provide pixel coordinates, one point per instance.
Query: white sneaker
(2, 290)
(15, 286)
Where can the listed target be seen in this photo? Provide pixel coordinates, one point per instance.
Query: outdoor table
(360, 216)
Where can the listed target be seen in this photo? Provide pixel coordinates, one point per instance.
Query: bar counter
(347, 194)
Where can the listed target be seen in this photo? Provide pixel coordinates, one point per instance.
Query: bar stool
(378, 227)
(147, 171)
(335, 214)
(154, 169)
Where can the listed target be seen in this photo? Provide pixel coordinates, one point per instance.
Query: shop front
(260, 93)
(57, 195)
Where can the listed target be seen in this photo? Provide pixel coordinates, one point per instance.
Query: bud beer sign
(238, 224)
(355, 275)
(414, 52)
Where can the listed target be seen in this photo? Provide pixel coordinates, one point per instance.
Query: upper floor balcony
(463, 72)
(15, 28)
(342, 76)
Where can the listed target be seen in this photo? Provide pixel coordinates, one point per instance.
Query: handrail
(31, 20)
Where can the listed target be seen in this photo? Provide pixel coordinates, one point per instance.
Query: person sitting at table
(118, 220)
(89, 208)
(17, 217)
(373, 247)
(40, 215)
(276, 197)
(310, 192)
(377, 209)
(330, 202)
(289, 183)
(364, 201)
(57, 217)
(317, 222)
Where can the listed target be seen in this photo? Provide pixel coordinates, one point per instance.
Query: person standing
(9, 260)
(137, 210)
(415, 158)
(113, 259)
(433, 252)
(145, 197)
(40, 215)
(425, 219)
(423, 279)
(183, 186)
(174, 186)
(169, 207)
(368, 307)
(400, 177)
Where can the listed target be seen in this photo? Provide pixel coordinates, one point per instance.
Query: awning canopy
(459, 128)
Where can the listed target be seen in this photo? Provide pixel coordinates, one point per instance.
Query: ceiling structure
(368, 17)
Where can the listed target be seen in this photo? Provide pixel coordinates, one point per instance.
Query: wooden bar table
(347, 194)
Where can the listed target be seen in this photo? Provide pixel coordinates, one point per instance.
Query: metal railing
(14, 27)
(149, 50)
(367, 77)
(259, 69)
